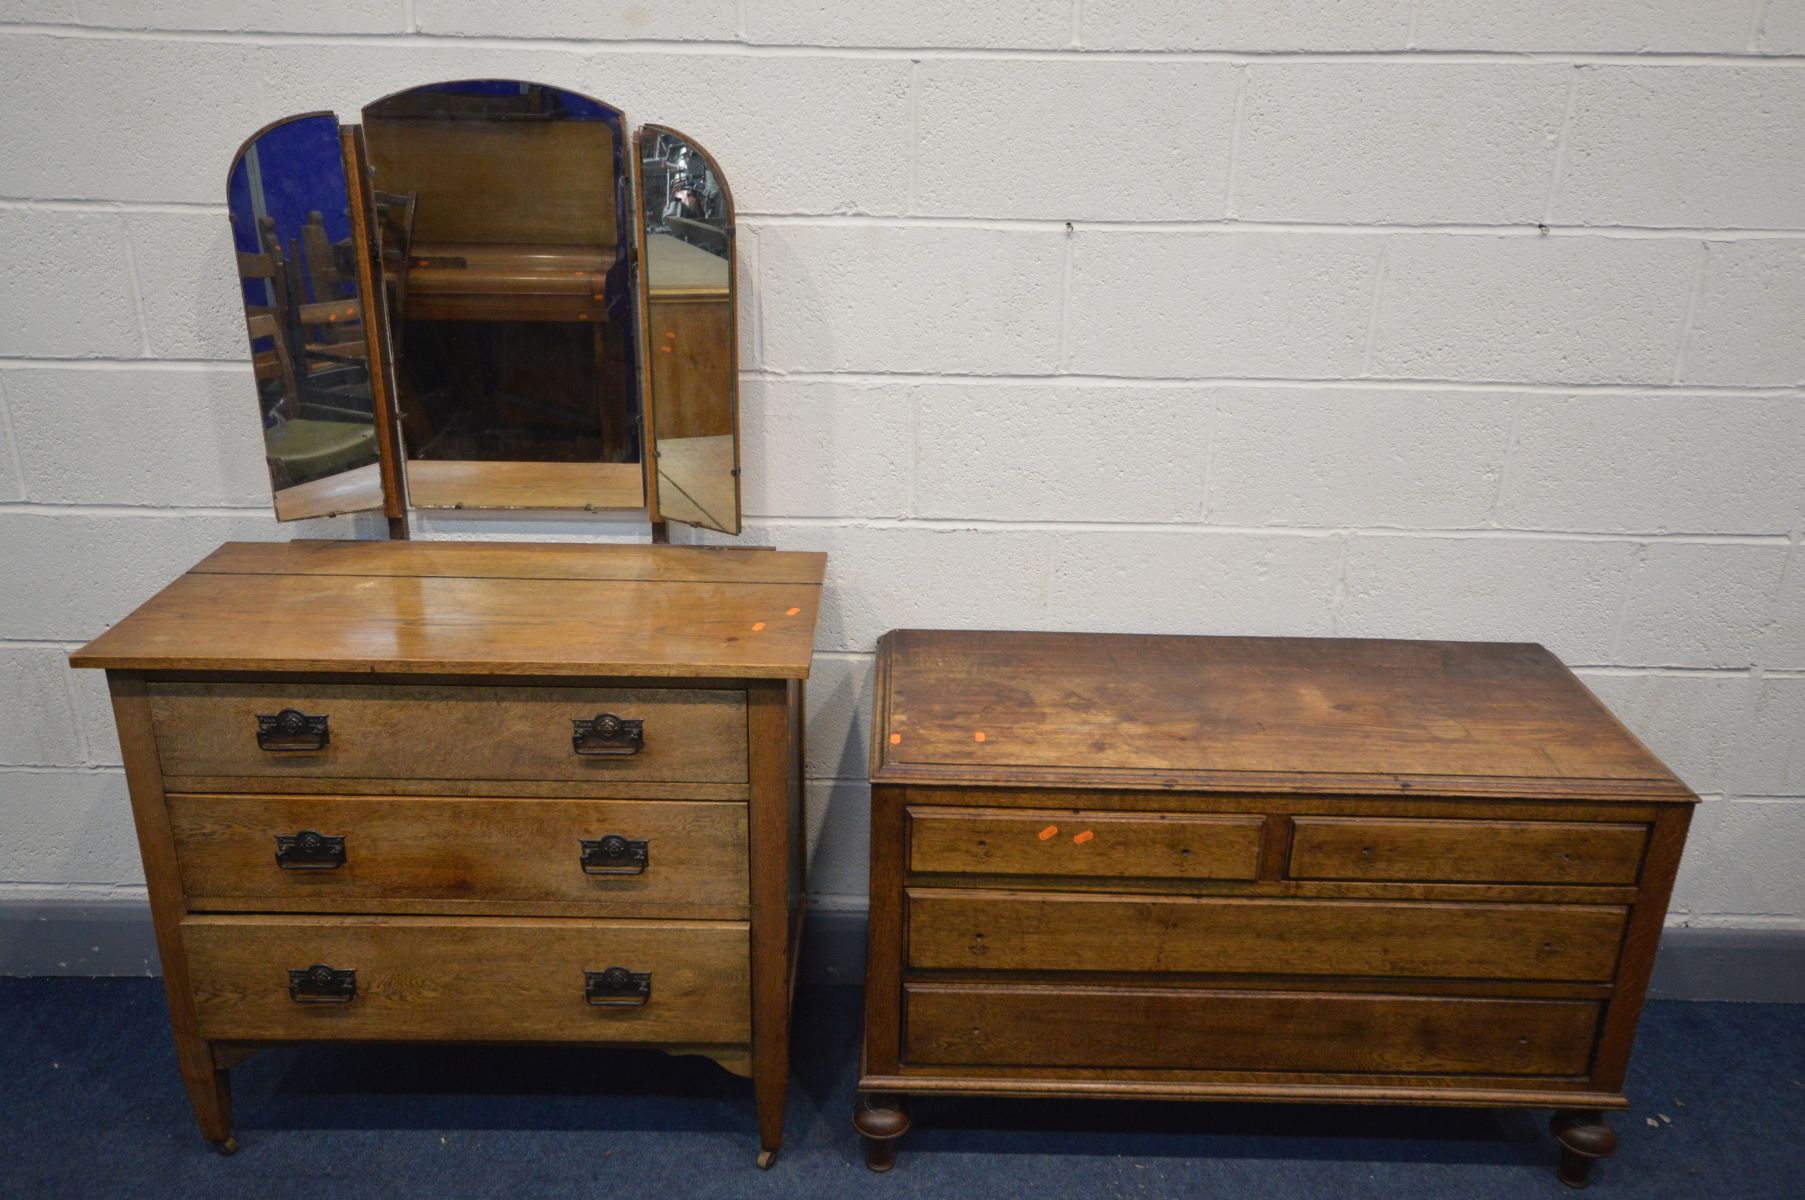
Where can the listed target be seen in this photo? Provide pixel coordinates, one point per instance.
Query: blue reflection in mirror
(297, 269)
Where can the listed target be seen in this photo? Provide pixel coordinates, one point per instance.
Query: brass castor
(880, 1120)
(225, 1147)
(766, 1158)
(1584, 1139)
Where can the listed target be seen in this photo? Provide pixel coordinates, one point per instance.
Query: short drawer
(667, 858)
(1077, 844)
(1177, 1029)
(429, 978)
(1432, 851)
(378, 732)
(1023, 931)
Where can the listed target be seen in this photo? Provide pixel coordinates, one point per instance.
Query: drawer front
(441, 979)
(1077, 844)
(1174, 1029)
(1003, 931)
(680, 858)
(406, 732)
(1555, 852)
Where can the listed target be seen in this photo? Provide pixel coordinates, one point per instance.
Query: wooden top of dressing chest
(1299, 715)
(478, 608)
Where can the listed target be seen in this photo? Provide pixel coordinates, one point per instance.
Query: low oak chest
(1257, 869)
(471, 792)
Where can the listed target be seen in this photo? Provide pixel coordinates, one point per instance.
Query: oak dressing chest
(1257, 869)
(471, 792)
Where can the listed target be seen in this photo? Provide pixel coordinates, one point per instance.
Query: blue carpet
(91, 1106)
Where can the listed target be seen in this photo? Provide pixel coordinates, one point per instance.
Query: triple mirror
(490, 295)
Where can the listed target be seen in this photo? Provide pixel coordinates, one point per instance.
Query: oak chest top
(450, 608)
(1249, 714)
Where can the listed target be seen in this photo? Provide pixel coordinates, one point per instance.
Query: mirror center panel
(503, 215)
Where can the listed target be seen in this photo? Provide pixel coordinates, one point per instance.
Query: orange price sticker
(896, 739)
(1049, 833)
(758, 627)
(978, 736)
(791, 612)
(1079, 839)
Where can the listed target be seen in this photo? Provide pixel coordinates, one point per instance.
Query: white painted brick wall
(1418, 318)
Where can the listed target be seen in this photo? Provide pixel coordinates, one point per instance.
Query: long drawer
(430, 978)
(421, 854)
(1431, 851)
(1021, 931)
(1080, 844)
(377, 731)
(950, 1024)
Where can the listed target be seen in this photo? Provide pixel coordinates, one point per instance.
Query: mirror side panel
(296, 250)
(692, 353)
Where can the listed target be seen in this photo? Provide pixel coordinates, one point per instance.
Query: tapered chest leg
(209, 1087)
(1585, 1138)
(880, 1120)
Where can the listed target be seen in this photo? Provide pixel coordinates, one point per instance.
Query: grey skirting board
(115, 938)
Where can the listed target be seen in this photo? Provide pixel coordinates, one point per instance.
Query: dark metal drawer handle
(321, 984)
(291, 729)
(607, 736)
(614, 855)
(617, 987)
(310, 851)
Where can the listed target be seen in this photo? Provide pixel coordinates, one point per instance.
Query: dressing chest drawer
(1256, 869)
(472, 792)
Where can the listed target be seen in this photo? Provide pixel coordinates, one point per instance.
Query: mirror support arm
(363, 242)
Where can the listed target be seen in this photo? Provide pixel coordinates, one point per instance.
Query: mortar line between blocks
(1495, 515)
(1558, 172)
(1690, 317)
(11, 435)
(913, 177)
(1372, 315)
(1338, 590)
(1067, 261)
(702, 47)
(1631, 578)
(969, 524)
(1234, 145)
(1757, 19)
(132, 280)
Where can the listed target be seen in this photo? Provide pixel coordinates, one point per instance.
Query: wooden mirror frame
(395, 498)
(336, 495)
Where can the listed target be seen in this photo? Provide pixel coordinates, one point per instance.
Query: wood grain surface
(1019, 1025)
(425, 854)
(404, 615)
(1132, 710)
(1466, 851)
(1002, 931)
(1054, 842)
(450, 979)
(379, 731)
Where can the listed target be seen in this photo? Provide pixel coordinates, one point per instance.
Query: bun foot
(1584, 1139)
(766, 1158)
(880, 1120)
(225, 1147)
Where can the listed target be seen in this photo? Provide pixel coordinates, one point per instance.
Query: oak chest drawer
(445, 979)
(1079, 844)
(956, 1024)
(662, 858)
(1022, 931)
(1466, 851)
(388, 732)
